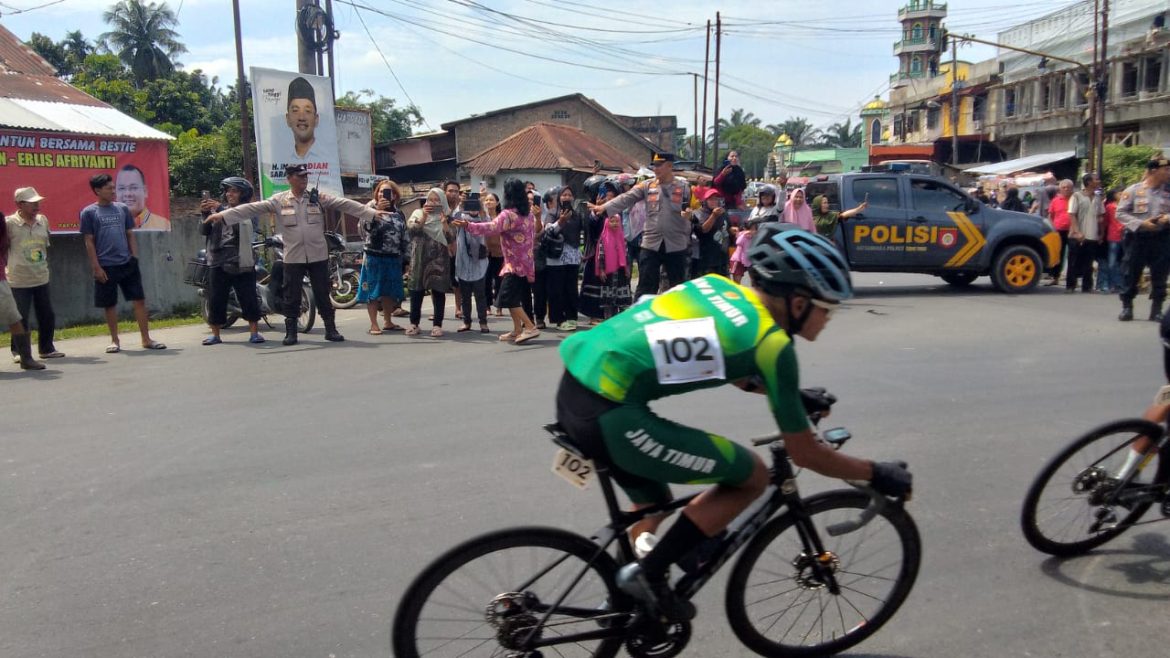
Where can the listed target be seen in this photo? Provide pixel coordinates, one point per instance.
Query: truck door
(873, 236)
(941, 233)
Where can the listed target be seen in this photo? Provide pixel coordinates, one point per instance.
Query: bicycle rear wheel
(489, 595)
(778, 606)
(1071, 507)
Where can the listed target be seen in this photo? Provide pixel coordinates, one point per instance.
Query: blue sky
(782, 58)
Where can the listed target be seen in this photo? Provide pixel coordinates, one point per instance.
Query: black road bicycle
(1083, 498)
(814, 580)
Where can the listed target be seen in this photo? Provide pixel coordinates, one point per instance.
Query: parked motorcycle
(268, 287)
(344, 271)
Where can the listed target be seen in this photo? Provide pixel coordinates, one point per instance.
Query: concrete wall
(476, 135)
(162, 257)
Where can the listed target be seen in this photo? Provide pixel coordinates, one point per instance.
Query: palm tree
(142, 37)
(738, 118)
(76, 48)
(843, 135)
(799, 130)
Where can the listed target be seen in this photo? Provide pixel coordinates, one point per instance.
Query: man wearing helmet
(229, 257)
(705, 333)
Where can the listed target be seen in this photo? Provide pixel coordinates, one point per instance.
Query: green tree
(1124, 165)
(50, 50)
(753, 145)
(76, 48)
(199, 162)
(843, 135)
(105, 78)
(142, 36)
(389, 121)
(738, 118)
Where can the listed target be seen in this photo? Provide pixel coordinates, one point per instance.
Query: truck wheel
(959, 279)
(1017, 269)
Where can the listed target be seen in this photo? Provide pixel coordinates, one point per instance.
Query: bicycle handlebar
(877, 503)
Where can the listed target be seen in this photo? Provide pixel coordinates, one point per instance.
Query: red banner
(59, 166)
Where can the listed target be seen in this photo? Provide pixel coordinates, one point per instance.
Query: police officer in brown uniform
(300, 219)
(1144, 210)
(666, 239)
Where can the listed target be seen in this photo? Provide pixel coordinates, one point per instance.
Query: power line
(17, 10)
(391, 69)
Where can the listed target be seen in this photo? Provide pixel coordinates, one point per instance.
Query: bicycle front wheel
(493, 595)
(779, 602)
(1074, 504)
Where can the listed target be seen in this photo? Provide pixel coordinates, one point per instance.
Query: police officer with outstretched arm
(300, 218)
(1144, 210)
(666, 238)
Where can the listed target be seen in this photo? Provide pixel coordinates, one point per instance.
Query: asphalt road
(267, 501)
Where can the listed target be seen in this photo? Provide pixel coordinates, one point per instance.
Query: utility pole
(718, 43)
(695, 92)
(1102, 83)
(329, 13)
(706, 66)
(954, 102)
(242, 97)
(306, 62)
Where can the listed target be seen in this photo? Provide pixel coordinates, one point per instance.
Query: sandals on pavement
(212, 340)
(113, 348)
(391, 327)
(153, 345)
(436, 332)
(256, 339)
(483, 328)
(462, 329)
(412, 331)
(526, 336)
(374, 331)
(510, 336)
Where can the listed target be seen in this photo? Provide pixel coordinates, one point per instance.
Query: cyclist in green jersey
(701, 334)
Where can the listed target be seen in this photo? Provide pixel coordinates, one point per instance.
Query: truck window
(827, 188)
(883, 192)
(931, 196)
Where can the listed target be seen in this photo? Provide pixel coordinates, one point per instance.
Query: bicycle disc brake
(510, 614)
(811, 571)
(660, 641)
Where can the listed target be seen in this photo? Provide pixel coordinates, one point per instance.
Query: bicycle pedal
(1106, 520)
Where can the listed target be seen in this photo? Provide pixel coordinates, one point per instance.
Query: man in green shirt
(706, 333)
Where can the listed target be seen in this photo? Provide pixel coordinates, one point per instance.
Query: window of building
(1152, 80)
(916, 64)
(1009, 102)
(875, 132)
(1080, 98)
(979, 107)
(932, 118)
(1058, 98)
(916, 32)
(899, 126)
(560, 114)
(1045, 95)
(1129, 79)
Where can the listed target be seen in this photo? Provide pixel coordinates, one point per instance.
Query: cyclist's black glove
(891, 479)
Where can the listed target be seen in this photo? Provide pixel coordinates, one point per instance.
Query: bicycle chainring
(660, 642)
(808, 572)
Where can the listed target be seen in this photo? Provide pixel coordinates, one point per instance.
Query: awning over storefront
(1028, 163)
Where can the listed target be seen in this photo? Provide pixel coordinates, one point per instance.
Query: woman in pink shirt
(1109, 259)
(797, 211)
(516, 226)
(1058, 213)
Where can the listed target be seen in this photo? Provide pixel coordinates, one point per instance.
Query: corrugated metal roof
(44, 88)
(70, 118)
(19, 58)
(549, 146)
(1022, 164)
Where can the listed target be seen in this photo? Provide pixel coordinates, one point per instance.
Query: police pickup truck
(921, 223)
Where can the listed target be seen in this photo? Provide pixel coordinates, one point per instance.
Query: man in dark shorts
(113, 254)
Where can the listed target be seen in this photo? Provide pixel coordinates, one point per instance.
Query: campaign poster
(355, 141)
(59, 166)
(295, 124)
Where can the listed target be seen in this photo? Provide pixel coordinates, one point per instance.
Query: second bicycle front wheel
(491, 596)
(779, 605)
(1074, 504)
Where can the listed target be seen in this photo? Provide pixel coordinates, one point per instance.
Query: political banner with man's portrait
(295, 124)
(59, 166)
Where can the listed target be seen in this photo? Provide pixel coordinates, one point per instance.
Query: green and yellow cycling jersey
(701, 334)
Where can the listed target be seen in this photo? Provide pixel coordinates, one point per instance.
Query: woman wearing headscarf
(386, 243)
(430, 259)
(796, 211)
(1012, 202)
(605, 286)
(826, 220)
(566, 219)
